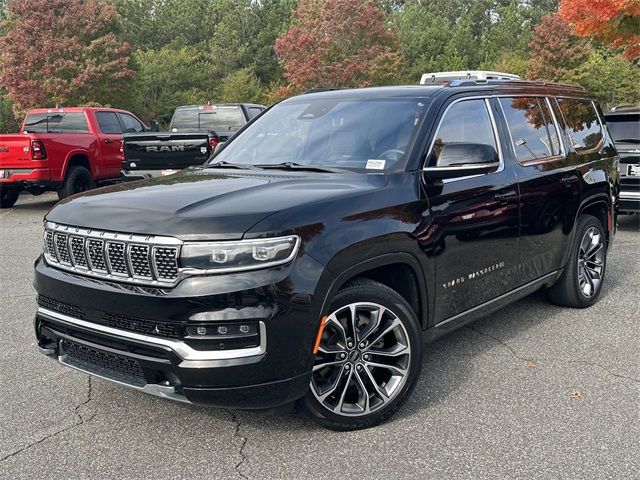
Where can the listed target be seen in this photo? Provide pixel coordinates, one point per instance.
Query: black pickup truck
(194, 133)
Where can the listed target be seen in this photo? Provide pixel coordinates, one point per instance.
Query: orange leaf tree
(63, 51)
(615, 22)
(338, 43)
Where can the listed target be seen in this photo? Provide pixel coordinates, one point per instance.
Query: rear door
(473, 231)
(548, 181)
(110, 137)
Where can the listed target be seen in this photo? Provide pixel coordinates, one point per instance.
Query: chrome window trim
(563, 147)
(184, 351)
(494, 128)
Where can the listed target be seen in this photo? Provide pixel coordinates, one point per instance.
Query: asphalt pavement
(531, 392)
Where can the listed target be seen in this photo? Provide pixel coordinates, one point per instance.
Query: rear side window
(532, 130)
(206, 118)
(60, 122)
(108, 122)
(467, 121)
(583, 126)
(131, 125)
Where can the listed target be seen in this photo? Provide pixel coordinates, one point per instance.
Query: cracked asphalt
(531, 392)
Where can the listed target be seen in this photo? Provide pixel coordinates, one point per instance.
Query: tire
(345, 369)
(78, 180)
(581, 282)
(8, 197)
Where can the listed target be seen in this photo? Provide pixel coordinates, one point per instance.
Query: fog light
(222, 330)
(244, 328)
(201, 330)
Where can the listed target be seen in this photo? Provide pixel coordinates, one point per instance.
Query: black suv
(624, 125)
(313, 254)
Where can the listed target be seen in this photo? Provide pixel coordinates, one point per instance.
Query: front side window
(532, 130)
(583, 126)
(467, 121)
(108, 123)
(130, 124)
(347, 133)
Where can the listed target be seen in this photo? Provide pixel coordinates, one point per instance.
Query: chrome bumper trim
(624, 195)
(192, 358)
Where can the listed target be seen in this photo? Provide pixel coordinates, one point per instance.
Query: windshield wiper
(627, 140)
(223, 164)
(300, 166)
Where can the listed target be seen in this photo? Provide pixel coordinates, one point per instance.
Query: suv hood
(203, 204)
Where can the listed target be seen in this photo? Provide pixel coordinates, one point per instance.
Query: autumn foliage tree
(555, 50)
(63, 51)
(338, 43)
(614, 22)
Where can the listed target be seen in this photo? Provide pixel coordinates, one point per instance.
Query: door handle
(569, 180)
(506, 196)
(108, 140)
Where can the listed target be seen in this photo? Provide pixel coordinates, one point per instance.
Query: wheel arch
(78, 158)
(400, 271)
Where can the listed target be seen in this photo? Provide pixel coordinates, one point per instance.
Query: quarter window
(467, 121)
(108, 122)
(582, 122)
(533, 133)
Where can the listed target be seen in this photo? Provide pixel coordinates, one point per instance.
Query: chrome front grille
(118, 256)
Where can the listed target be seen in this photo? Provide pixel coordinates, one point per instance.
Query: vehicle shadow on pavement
(41, 204)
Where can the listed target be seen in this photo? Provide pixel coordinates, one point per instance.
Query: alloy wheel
(363, 359)
(590, 262)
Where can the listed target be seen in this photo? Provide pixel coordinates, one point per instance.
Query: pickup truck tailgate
(152, 151)
(15, 151)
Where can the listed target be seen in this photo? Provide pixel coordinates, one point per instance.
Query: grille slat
(62, 247)
(132, 258)
(77, 252)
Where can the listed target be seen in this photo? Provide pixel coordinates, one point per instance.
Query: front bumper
(70, 328)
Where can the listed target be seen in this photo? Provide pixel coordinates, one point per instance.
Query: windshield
(624, 127)
(364, 135)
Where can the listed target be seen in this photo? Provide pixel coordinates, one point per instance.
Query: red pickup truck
(68, 150)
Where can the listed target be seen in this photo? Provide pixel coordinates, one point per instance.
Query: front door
(110, 144)
(472, 233)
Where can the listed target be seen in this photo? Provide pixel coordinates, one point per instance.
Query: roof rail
(471, 83)
(322, 89)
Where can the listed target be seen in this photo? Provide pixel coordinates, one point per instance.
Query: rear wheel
(369, 358)
(581, 282)
(8, 197)
(78, 180)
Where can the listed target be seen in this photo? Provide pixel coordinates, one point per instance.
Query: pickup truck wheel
(581, 282)
(369, 358)
(8, 197)
(78, 180)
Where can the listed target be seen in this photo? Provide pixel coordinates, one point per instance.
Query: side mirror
(154, 126)
(464, 159)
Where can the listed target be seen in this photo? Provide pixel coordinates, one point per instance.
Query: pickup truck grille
(116, 256)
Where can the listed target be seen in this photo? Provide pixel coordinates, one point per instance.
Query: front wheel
(368, 360)
(8, 197)
(581, 282)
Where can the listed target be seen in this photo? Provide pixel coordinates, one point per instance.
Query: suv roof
(73, 109)
(454, 86)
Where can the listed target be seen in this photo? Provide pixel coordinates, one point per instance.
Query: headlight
(220, 257)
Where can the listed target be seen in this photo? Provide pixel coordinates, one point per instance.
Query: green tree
(170, 77)
(241, 86)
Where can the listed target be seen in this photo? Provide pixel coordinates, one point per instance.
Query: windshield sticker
(375, 164)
